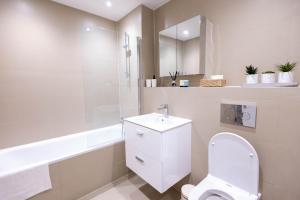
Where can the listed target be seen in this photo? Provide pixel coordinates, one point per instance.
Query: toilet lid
(234, 160)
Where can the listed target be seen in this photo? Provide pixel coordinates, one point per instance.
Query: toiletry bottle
(153, 82)
(148, 82)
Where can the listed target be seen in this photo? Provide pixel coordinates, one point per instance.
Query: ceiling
(184, 31)
(118, 9)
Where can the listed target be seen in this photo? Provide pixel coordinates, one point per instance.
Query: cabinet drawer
(144, 166)
(145, 140)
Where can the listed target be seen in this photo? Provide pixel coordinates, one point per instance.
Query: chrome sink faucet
(165, 109)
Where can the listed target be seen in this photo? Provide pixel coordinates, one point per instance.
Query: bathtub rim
(61, 158)
(68, 136)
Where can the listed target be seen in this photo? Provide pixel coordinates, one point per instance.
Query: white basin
(158, 122)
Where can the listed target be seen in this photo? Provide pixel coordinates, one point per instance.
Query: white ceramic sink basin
(158, 122)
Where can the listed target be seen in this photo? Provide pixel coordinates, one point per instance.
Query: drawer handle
(139, 159)
(139, 133)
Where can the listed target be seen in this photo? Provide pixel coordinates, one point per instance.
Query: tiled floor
(131, 188)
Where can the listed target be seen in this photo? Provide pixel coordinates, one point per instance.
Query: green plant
(287, 67)
(250, 70)
(268, 72)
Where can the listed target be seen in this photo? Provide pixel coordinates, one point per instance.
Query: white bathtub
(51, 151)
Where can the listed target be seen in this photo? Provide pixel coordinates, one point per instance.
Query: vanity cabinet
(161, 158)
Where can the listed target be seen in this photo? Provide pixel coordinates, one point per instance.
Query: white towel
(25, 184)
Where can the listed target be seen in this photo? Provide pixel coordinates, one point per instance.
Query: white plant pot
(268, 78)
(285, 77)
(252, 79)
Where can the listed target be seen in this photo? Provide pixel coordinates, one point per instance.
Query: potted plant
(286, 75)
(252, 76)
(268, 77)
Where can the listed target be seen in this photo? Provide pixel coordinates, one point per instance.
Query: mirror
(182, 48)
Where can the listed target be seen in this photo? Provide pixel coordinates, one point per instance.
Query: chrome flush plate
(243, 114)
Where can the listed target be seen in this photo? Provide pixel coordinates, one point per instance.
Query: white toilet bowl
(233, 170)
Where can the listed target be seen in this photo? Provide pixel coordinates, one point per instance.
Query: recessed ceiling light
(186, 32)
(108, 4)
(88, 29)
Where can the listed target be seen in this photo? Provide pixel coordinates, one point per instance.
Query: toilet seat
(214, 186)
(215, 197)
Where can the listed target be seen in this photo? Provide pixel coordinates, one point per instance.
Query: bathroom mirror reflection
(183, 47)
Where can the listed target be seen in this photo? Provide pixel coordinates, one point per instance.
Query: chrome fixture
(127, 55)
(240, 114)
(165, 108)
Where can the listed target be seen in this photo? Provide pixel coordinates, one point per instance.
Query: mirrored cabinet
(183, 47)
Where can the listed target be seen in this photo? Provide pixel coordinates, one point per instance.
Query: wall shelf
(270, 85)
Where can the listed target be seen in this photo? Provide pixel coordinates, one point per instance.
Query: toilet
(233, 170)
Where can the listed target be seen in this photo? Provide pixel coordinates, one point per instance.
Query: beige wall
(56, 78)
(147, 43)
(51, 71)
(275, 138)
(263, 33)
